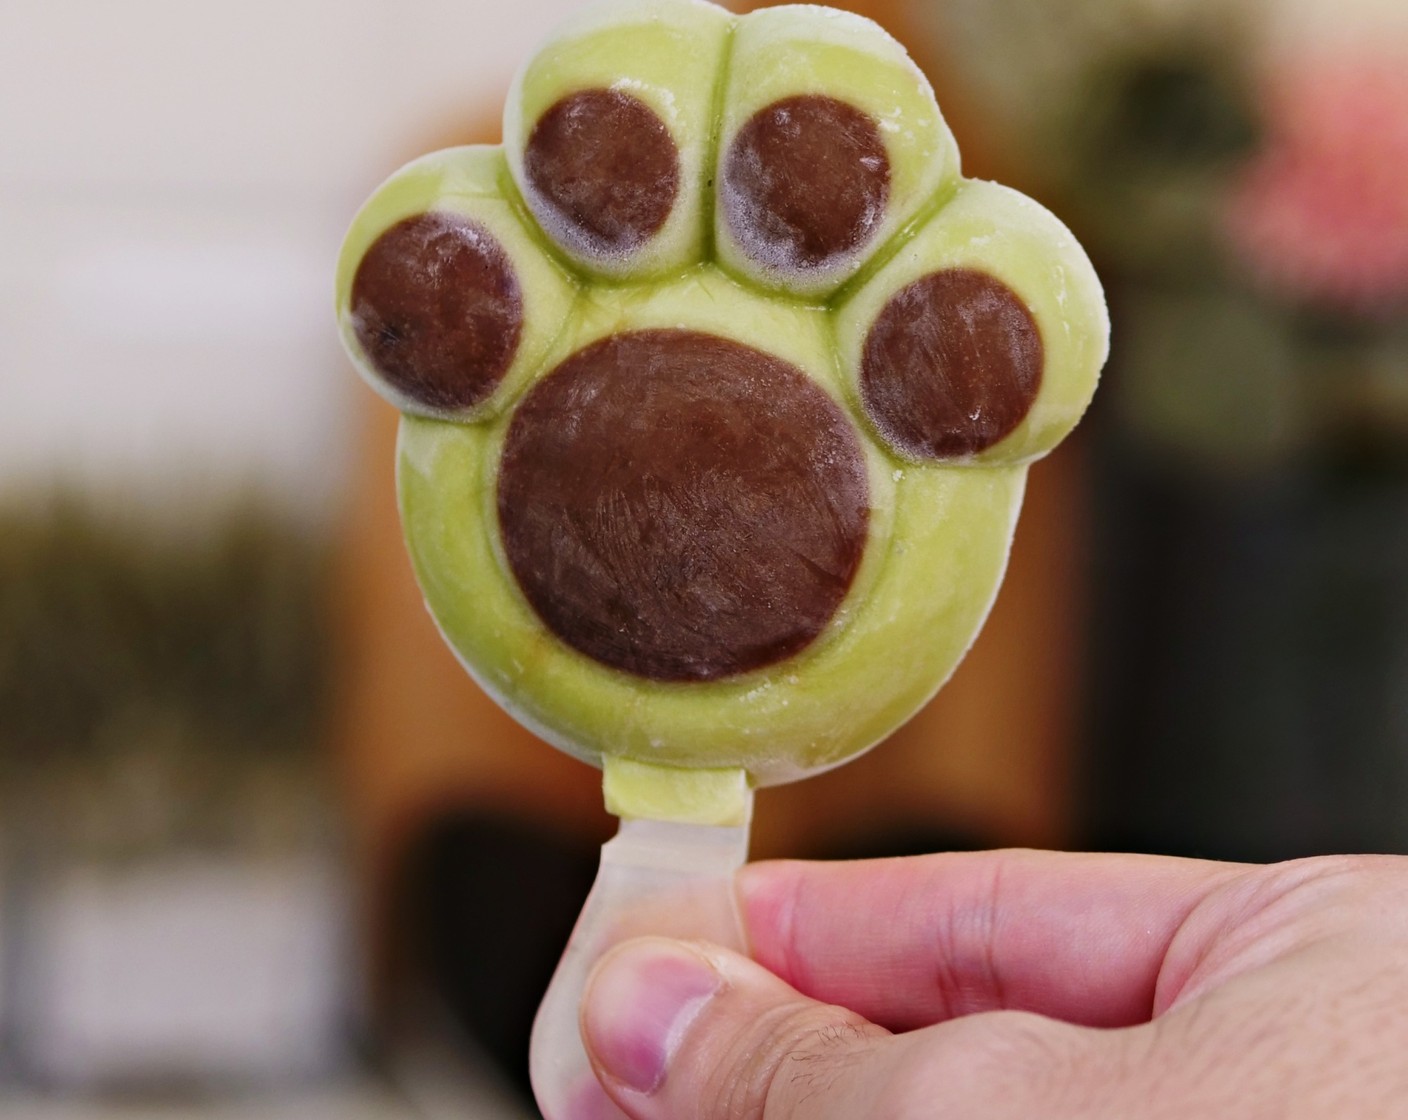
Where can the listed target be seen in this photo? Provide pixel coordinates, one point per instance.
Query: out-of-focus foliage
(1243, 185)
(155, 674)
(1129, 114)
(1239, 171)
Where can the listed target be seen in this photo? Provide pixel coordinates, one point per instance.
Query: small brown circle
(951, 365)
(606, 166)
(806, 181)
(682, 507)
(437, 309)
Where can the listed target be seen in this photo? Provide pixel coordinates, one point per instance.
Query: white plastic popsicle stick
(656, 877)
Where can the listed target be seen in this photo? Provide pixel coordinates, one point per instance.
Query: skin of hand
(1022, 985)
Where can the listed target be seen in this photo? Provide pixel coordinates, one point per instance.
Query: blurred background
(265, 850)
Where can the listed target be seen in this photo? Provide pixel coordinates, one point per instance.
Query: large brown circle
(951, 365)
(606, 166)
(437, 309)
(681, 506)
(806, 181)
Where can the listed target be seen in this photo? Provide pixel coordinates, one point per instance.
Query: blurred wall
(175, 177)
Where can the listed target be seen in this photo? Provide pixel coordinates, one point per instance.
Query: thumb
(687, 1031)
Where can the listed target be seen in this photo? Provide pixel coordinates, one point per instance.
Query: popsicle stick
(664, 878)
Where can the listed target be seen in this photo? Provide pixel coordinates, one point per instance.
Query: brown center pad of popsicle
(606, 164)
(952, 364)
(681, 506)
(806, 180)
(437, 309)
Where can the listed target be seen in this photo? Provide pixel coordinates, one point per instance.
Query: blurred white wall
(175, 176)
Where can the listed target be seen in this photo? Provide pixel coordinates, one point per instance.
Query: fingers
(681, 1031)
(911, 942)
(1308, 952)
(684, 1031)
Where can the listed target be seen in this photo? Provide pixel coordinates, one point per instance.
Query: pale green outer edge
(940, 532)
(781, 52)
(1006, 234)
(670, 54)
(934, 572)
(463, 181)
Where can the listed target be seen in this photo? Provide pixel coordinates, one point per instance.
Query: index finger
(915, 941)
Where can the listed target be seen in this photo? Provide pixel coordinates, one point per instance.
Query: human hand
(1023, 985)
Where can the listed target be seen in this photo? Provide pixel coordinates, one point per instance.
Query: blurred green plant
(1239, 171)
(1132, 116)
(1245, 202)
(162, 679)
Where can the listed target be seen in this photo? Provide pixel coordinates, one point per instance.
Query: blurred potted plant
(175, 909)
(1240, 170)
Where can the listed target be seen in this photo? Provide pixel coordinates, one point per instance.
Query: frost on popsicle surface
(720, 386)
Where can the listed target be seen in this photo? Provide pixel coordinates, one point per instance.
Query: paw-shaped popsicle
(720, 385)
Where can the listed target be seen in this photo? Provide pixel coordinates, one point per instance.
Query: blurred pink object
(1321, 213)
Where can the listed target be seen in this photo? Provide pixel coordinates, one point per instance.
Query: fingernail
(638, 1006)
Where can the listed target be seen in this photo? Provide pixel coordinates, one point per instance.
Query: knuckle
(1317, 894)
(1005, 1063)
(1264, 912)
(795, 1054)
(1022, 1040)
